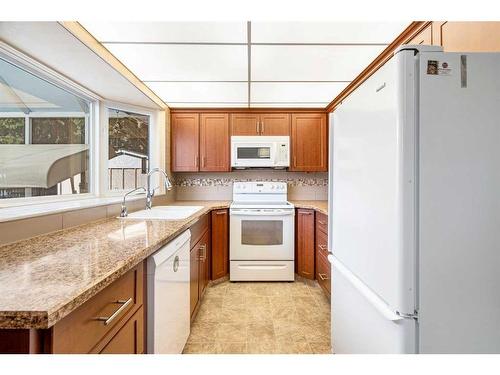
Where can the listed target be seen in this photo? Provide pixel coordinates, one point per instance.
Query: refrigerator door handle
(374, 299)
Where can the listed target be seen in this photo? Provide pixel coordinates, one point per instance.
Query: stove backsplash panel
(218, 186)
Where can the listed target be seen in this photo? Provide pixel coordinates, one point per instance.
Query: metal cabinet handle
(220, 212)
(109, 319)
(176, 263)
(257, 127)
(322, 276)
(262, 127)
(203, 250)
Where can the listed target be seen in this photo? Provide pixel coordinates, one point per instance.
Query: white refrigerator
(415, 207)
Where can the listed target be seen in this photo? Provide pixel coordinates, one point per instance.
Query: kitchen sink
(165, 213)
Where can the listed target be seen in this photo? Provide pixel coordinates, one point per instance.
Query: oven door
(262, 234)
(253, 154)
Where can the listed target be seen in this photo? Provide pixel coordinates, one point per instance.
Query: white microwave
(260, 152)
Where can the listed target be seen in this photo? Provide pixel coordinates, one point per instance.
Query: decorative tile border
(191, 181)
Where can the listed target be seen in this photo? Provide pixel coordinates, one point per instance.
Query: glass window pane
(12, 130)
(262, 232)
(54, 160)
(62, 130)
(128, 151)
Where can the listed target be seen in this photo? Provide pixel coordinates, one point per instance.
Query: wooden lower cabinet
(129, 339)
(220, 243)
(82, 332)
(112, 321)
(204, 265)
(199, 261)
(305, 243)
(194, 292)
(323, 273)
(323, 266)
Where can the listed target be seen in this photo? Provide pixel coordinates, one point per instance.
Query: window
(44, 136)
(128, 149)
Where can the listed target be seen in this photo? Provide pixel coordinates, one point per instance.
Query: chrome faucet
(124, 212)
(151, 192)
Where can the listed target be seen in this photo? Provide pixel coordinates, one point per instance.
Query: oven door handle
(262, 213)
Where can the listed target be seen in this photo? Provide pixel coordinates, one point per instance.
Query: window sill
(41, 209)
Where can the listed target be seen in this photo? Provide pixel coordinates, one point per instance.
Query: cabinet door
(305, 243)
(275, 124)
(245, 124)
(185, 142)
(220, 243)
(194, 279)
(214, 142)
(309, 142)
(424, 37)
(323, 274)
(129, 339)
(203, 249)
(469, 36)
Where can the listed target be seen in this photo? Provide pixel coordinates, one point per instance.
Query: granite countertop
(320, 206)
(44, 278)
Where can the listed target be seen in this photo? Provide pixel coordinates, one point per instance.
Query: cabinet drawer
(323, 273)
(321, 243)
(81, 330)
(322, 222)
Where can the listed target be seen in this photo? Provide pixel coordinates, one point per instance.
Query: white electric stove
(261, 232)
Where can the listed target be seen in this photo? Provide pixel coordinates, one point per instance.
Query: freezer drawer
(358, 327)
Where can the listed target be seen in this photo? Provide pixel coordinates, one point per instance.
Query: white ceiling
(54, 46)
(240, 64)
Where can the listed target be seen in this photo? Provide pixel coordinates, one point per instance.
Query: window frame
(41, 71)
(153, 145)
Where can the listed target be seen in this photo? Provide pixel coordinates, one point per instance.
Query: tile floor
(262, 318)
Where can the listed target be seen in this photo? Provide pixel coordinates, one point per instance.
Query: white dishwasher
(168, 322)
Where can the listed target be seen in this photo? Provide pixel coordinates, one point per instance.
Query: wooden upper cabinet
(214, 142)
(309, 142)
(185, 142)
(244, 124)
(260, 124)
(468, 36)
(274, 124)
(424, 37)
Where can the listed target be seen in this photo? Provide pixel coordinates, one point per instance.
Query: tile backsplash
(219, 186)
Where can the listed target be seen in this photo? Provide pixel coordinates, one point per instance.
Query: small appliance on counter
(261, 232)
